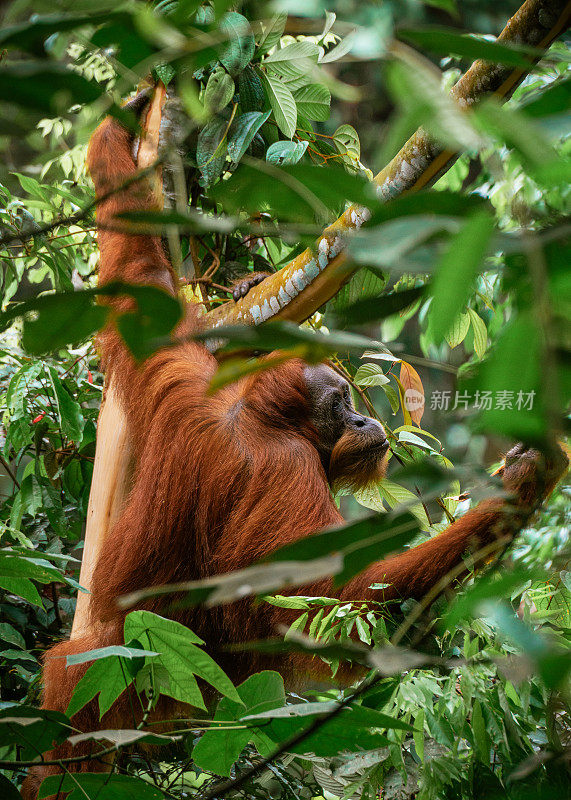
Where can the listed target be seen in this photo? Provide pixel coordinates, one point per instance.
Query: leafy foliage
(465, 284)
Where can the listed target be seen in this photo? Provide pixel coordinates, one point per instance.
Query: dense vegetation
(465, 284)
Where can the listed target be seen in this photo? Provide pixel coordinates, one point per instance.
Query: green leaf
(396, 496)
(102, 786)
(45, 87)
(376, 308)
(392, 397)
(346, 140)
(360, 543)
(106, 678)
(65, 318)
(295, 192)
(287, 336)
(482, 741)
(514, 374)
(21, 587)
(13, 565)
(555, 99)
(219, 748)
(353, 728)
(487, 588)
(240, 49)
(480, 333)
(179, 656)
(370, 375)
(157, 314)
(458, 331)
(341, 49)
(282, 103)
(192, 221)
(294, 52)
(165, 73)
(445, 42)
(211, 149)
(219, 91)
(272, 33)
(105, 652)
(34, 730)
(286, 152)
(243, 131)
(313, 101)
(456, 273)
(69, 411)
(252, 94)
(11, 635)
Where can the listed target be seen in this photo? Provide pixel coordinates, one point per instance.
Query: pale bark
(316, 275)
(111, 470)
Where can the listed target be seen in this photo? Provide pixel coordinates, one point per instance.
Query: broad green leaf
(298, 192)
(21, 587)
(211, 149)
(286, 152)
(64, 319)
(396, 496)
(9, 634)
(313, 101)
(218, 749)
(355, 727)
(69, 411)
(33, 730)
(13, 565)
(252, 94)
(282, 103)
(456, 273)
(370, 375)
(480, 333)
(30, 36)
(294, 52)
(272, 33)
(243, 131)
(446, 42)
(106, 678)
(192, 221)
(346, 139)
(179, 656)
(445, 203)
(365, 283)
(105, 652)
(376, 308)
(287, 336)
(526, 137)
(520, 389)
(341, 49)
(102, 786)
(45, 87)
(219, 90)
(482, 742)
(240, 49)
(554, 99)
(360, 543)
(458, 331)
